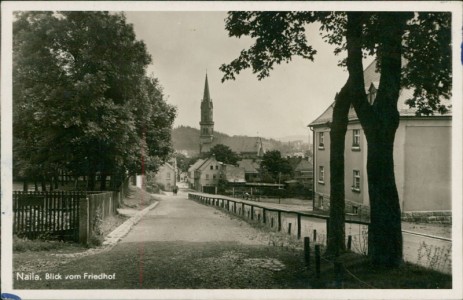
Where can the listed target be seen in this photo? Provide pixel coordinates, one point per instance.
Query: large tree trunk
(103, 177)
(380, 122)
(352, 91)
(385, 233)
(336, 225)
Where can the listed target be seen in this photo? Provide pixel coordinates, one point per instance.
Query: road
(179, 245)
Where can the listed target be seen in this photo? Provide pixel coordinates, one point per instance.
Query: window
(214, 176)
(356, 181)
(212, 167)
(321, 174)
(168, 175)
(321, 140)
(356, 139)
(217, 167)
(207, 176)
(320, 201)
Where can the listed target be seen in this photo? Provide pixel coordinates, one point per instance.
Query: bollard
(314, 235)
(338, 274)
(271, 222)
(307, 251)
(289, 228)
(317, 260)
(349, 242)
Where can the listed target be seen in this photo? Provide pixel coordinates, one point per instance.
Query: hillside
(185, 139)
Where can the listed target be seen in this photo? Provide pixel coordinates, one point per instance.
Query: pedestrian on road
(175, 190)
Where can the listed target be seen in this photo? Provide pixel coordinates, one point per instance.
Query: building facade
(422, 161)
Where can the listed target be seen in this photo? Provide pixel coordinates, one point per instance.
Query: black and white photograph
(231, 150)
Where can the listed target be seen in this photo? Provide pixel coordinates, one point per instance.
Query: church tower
(206, 123)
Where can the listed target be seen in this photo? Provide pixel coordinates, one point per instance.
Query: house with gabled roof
(422, 159)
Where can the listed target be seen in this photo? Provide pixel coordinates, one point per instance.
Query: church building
(206, 124)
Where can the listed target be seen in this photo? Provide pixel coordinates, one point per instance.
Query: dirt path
(182, 244)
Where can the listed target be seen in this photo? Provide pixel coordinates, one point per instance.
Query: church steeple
(207, 121)
(207, 96)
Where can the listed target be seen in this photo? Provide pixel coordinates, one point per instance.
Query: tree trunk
(380, 122)
(352, 91)
(25, 186)
(385, 233)
(91, 181)
(103, 182)
(336, 225)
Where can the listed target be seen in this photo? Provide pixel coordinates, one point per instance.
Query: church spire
(206, 96)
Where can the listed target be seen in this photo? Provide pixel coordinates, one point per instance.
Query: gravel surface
(182, 244)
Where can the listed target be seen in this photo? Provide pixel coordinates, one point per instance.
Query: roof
(196, 165)
(249, 166)
(371, 77)
(304, 165)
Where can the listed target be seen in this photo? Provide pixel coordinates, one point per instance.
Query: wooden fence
(295, 223)
(64, 215)
(47, 214)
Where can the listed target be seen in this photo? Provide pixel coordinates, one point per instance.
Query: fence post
(317, 260)
(279, 220)
(338, 274)
(84, 220)
(264, 217)
(289, 228)
(252, 212)
(298, 226)
(315, 235)
(307, 251)
(349, 242)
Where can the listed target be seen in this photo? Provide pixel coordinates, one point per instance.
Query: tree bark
(336, 225)
(103, 182)
(354, 88)
(380, 122)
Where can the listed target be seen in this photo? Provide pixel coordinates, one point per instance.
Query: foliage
(275, 164)
(224, 154)
(281, 35)
(82, 101)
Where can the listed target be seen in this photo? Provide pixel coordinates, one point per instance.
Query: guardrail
(307, 224)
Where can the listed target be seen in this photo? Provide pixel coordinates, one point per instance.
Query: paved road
(182, 244)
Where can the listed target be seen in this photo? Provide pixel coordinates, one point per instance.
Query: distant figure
(175, 190)
(246, 196)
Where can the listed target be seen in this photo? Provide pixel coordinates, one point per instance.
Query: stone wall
(436, 217)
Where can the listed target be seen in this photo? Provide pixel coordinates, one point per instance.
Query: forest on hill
(186, 139)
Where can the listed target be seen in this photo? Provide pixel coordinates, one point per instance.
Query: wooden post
(307, 251)
(349, 242)
(314, 235)
(264, 217)
(317, 260)
(242, 207)
(271, 222)
(289, 228)
(298, 226)
(279, 220)
(84, 221)
(327, 228)
(252, 212)
(338, 274)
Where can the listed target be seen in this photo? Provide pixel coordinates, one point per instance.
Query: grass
(137, 198)
(358, 273)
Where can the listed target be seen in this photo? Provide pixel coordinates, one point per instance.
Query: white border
(6, 148)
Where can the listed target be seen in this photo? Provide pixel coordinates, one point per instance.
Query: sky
(186, 45)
